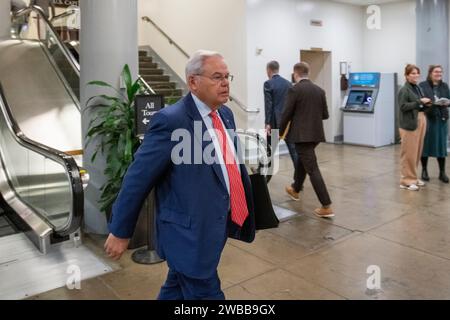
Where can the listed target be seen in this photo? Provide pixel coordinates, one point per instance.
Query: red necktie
(239, 210)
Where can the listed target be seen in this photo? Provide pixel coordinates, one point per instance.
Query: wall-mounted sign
(66, 3)
(365, 79)
(146, 106)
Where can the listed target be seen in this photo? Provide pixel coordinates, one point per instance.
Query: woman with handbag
(435, 144)
(412, 122)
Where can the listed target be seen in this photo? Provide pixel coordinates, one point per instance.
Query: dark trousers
(307, 164)
(180, 287)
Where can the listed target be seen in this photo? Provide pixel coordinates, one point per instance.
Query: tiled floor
(406, 234)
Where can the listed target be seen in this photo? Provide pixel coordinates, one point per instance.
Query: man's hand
(268, 129)
(115, 247)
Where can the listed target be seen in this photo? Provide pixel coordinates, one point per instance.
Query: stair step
(160, 78)
(150, 65)
(162, 84)
(145, 59)
(169, 92)
(142, 53)
(148, 71)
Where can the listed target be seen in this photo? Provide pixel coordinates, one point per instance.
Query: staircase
(157, 80)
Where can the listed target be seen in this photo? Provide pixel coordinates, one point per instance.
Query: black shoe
(425, 176)
(443, 177)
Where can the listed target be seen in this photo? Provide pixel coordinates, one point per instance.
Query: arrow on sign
(145, 121)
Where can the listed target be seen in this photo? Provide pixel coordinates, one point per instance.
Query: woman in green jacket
(412, 122)
(435, 144)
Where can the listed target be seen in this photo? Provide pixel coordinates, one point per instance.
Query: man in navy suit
(203, 192)
(275, 91)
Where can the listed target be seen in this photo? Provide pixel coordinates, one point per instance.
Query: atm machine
(369, 109)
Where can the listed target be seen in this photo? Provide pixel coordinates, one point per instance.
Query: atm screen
(360, 98)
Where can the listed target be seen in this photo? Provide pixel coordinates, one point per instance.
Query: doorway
(321, 74)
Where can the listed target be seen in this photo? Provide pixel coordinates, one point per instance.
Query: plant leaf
(126, 75)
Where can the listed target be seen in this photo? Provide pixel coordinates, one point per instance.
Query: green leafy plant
(114, 125)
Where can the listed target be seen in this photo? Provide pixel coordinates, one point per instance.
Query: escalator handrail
(38, 10)
(65, 14)
(67, 161)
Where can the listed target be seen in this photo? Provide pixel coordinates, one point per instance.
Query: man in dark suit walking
(275, 91)
(305, 110)
(203, 192)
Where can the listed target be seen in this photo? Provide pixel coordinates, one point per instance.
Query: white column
(108, 41)
(432, 35)
(5, 20)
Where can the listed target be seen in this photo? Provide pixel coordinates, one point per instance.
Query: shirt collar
(201, 106)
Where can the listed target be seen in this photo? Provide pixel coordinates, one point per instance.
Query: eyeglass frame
(217, 80)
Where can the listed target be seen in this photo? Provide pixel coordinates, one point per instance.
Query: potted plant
(114, 126)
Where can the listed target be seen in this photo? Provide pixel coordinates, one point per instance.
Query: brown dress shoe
(324, 212)
(291, 192)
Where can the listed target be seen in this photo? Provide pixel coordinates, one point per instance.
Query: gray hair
(195, 64)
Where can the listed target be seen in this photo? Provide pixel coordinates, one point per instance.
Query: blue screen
(359, 98)
(365, 79)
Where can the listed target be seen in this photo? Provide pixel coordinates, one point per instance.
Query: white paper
(442, 102)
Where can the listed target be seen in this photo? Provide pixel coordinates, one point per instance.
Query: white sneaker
(420, 183)
(411, 187)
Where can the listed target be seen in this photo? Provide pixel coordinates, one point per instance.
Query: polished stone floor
(404, 235)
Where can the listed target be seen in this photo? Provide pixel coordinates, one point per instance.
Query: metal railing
(36, 9)
(63, 15)
(147, 87)
(65, 160)
(239, 103)
(258, 159)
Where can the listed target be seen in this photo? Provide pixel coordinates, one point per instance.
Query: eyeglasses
(218, 78)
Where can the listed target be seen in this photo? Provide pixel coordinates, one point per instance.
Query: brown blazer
(305, 109)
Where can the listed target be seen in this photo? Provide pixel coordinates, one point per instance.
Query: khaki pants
(411, 151)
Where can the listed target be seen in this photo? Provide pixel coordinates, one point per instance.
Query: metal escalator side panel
(56, 49)
(37, 10)
(70, 80)
(32, 181)
(39, 230)
(39, 100)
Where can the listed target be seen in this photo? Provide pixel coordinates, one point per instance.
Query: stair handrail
(171, 41)
(72, 61)
(184, 53)
(146, 85)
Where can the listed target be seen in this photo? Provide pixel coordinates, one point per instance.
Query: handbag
(265, 217)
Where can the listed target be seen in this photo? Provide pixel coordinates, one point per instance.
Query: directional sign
(146, 106)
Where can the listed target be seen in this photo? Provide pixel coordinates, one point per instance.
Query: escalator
(41, 181)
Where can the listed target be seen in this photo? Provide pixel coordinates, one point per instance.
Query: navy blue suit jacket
(192, 201)
(275, 91)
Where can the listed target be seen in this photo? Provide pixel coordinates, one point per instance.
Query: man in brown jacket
(305, 110)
